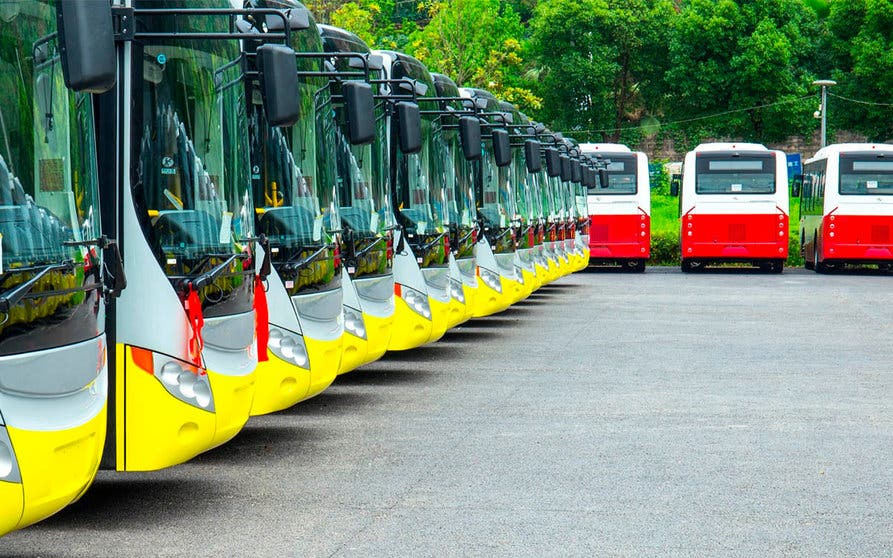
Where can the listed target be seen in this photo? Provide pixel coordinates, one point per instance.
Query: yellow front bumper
(358, 352)
(440, 318)
(531, 281)
(233, 397)
(278, 385)
(158, 429)
(56, 467)
(515, 289)
(410, 329)
(325, 363)
(488, 302)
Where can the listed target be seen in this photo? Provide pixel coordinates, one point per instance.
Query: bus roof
(608, 147)
(732, 146)
(838, 148)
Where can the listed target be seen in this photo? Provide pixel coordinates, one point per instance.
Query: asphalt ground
(723, 414)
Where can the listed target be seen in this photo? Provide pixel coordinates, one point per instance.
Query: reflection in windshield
(48, 190)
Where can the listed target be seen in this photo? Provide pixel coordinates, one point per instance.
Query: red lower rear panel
(758, 236)
(619, 236)
(857, 237)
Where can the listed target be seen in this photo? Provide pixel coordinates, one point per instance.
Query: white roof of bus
(607, 147)
(839, 148)
(736, 146)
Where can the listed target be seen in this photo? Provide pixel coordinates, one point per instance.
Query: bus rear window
(741, 174)
(621, 176)
(865, 176)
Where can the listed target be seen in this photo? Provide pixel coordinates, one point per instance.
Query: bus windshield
(497, 207)
(735, 174)
(48, 187)
(865, 175)
(622, 175)
(193, 151)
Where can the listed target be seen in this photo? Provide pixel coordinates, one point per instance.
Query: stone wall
(805, 146)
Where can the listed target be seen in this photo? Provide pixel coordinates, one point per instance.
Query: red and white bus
(846, 206)
(620, 211)
(734, 206)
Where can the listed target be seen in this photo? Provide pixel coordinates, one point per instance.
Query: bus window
(621, 176)
(865, 176)
(743, 174)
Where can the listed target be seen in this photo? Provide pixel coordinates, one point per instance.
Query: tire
(819, 267)
(777, 266)
(807, 263)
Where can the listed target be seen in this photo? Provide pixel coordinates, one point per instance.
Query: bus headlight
(456, 291)
(353, 322)
(519, 275)
(417, 301)
(289, 347)
(491, 279)
(9, 467)
(185, 382)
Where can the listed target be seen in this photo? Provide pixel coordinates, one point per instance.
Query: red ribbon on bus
(196, 320)
(262, 321)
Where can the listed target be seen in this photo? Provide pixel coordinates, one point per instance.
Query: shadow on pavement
(118, 503)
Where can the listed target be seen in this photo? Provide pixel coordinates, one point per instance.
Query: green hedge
(665, 249)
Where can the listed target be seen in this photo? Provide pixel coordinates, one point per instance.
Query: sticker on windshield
(168, 166)
(421, 227)
(226, 231)
(871, 184)
(736, 187)
(317, 227)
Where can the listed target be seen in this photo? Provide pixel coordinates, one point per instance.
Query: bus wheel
(635, 266)
(807, 263)
(777, 266)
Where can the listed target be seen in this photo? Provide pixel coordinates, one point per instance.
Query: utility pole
(823, 108)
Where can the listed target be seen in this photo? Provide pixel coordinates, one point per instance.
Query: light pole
(824, 84)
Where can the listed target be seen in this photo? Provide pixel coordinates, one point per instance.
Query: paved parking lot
(661, 414)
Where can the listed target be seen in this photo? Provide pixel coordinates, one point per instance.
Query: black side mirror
(588, 177)
(502, 149)
(797, 186)
(87, 45)
(470, 137)
(604, 177)
(675, 184)
(409, 127)
(279, 84)
(360, 107)
(111, 255)
(577, 171)
(553, 162)
(566, 172)
(533, 155)
(298, 20)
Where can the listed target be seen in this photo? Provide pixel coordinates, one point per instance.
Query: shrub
(664, 247)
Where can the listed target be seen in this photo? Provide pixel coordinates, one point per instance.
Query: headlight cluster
(491, 280)
(9, 468)
(289, 347)
(417, 301)
(519, 275)
(353, 322)
(185, 382)
(456, 291)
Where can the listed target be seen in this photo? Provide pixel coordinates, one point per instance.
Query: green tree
(862, 42)
(477, 43)
(729, 55)
(600, 62)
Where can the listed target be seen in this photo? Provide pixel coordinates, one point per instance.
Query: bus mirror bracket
(502, 150)
(360, 106)
(409, 123)
(87, 45)
(279, 84)
(470, 134)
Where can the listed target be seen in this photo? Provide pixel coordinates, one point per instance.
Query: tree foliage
(620, 69)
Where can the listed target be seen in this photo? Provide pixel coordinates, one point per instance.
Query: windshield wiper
(13, 296)
(437, 239)
(369, 248)
(294, 266)
(204, 279)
